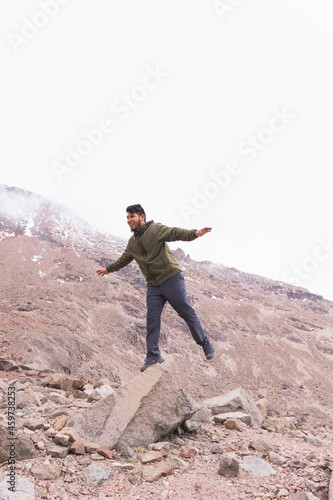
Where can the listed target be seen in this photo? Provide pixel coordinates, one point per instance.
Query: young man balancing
(165, 281)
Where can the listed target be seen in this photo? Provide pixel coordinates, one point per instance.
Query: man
(165, 281)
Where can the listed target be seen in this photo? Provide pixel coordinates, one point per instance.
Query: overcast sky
(208, 113)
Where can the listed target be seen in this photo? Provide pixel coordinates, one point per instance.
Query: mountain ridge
(270, 337)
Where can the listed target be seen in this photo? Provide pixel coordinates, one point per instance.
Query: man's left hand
(203, 231)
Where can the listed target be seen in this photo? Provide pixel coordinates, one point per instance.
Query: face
(135, 221)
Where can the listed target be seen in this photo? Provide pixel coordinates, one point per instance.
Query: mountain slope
(270, 337)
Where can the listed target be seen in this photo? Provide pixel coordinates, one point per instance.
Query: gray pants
(174, 291)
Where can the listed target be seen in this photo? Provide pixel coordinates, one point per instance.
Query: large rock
(46, 471)
(95, 474)
(24, 489)
(281, 425)
(257, 466)
(20, 446)
(235, 401)
(60, 381)
(139, 413)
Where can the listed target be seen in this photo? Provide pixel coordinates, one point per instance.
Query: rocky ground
(214, 457)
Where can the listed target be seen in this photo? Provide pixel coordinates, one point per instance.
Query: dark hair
(136, 209)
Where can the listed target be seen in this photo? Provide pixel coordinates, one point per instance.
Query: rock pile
(76, 439)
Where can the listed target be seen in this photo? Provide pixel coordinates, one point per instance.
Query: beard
(137, 227)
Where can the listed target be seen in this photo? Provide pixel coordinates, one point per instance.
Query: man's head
(136, 216)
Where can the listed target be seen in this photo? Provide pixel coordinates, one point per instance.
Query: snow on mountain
(25, 213)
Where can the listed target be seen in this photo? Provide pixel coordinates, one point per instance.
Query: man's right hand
(102, 272)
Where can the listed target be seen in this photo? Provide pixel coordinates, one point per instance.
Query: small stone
(71, 432)
(94, 396)
(151, 456)
(238, 415)
(34, 424)
(150, 473)
(46, 471)
(77, 447)
(27, 397)
(244, 449)
(61, 439)
(8, 365)
(91, 447)
(217, 449)
(191, 426)
(262, 406)
(165, 467)
(50, 432)
(203, 416)
(261, 444)
(276, 459)
(296, 464)
(56, 398)
(163, 447)
(229, 466)
(60, 423)
(105, 452)
(234, 425)
(95, 474)
(41, 445)
(134, 479)
(96, 456)
(177, 463)
(121, 466)
(57, 451)
(188, 452)
(125, 451)
(257, 466)
(283, 493)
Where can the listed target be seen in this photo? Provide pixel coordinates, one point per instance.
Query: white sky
(226, 71)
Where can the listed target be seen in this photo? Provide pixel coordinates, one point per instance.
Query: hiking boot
(152, 361)
(208, 349)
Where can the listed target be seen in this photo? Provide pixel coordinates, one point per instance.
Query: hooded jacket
(148, 247)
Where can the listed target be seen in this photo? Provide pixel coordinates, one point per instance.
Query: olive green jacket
(149, 249)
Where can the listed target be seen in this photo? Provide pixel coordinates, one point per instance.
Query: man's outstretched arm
(123, 261)
(165, 233)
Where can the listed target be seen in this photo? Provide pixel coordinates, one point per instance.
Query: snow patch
(36, 258)
(4, 234)
(30, 225)
(41, 274)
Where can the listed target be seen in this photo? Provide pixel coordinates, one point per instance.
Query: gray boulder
(150, 406)
(22, 447)
(95, 474)
(235, 401)
(257, 466)
(24, 489)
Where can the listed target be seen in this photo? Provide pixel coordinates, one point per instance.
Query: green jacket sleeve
(165, 233)
(123, 261)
